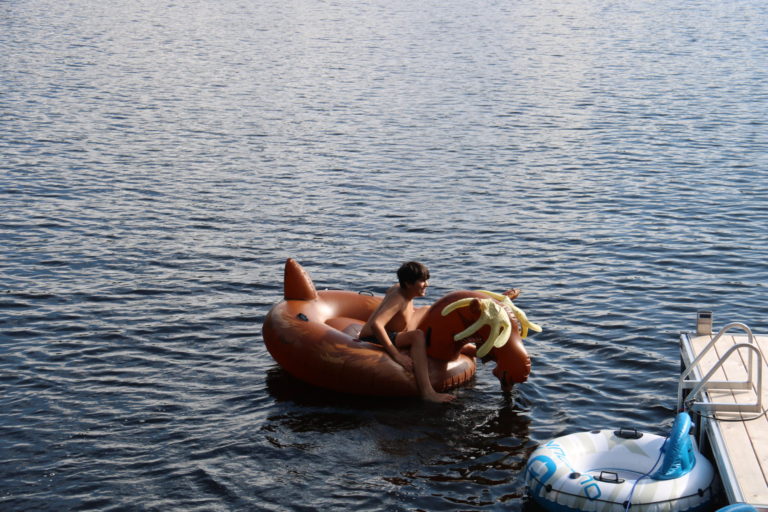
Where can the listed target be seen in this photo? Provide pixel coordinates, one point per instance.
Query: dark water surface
(160, 160)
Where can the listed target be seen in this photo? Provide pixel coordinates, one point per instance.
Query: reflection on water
(160, 162)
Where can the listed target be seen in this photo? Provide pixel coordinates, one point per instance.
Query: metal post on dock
(703, 322)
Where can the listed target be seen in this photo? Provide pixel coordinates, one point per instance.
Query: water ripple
(160, 162)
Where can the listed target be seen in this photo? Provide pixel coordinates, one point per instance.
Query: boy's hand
(404, 361)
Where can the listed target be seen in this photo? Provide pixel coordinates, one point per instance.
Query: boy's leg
(415, 339)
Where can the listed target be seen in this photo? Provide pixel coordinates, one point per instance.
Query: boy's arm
(379, 322)
(418, 314)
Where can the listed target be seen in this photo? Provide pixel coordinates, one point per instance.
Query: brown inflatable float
(305, 333)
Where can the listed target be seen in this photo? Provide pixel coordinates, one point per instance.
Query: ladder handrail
(698, 385)
(750, 339)
(703, 382)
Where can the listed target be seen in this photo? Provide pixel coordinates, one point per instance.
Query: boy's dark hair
(411, 272)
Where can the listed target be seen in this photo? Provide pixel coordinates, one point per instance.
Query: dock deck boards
(739, 439)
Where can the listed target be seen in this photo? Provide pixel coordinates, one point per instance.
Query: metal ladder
(693, 401)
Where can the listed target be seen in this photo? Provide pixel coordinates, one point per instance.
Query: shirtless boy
(393, 326)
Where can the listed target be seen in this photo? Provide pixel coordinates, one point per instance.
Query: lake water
(161, 160)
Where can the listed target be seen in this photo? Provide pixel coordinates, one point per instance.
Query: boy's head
(410, 272)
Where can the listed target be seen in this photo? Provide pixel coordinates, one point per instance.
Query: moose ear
(474, 307)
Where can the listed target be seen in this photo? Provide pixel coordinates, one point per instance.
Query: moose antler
(506, 300)
(491, 313)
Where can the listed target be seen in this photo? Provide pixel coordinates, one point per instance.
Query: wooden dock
(731, 401)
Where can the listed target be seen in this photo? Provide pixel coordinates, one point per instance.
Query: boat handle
(610, 477)
(626, 433)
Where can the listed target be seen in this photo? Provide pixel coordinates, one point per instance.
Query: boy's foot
(439, 398)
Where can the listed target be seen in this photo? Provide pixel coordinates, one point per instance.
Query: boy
(393, 325)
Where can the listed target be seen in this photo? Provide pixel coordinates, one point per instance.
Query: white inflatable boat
(616, 471)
